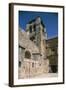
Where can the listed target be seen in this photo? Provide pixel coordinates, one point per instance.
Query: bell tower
(37, 33)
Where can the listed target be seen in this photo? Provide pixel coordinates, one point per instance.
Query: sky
(50, 20)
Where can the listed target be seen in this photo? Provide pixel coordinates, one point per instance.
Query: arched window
(30, 29)
(27, 55)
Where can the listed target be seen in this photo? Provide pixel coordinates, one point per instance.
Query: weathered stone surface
(25, 42)
(27, 70)
(32, 51)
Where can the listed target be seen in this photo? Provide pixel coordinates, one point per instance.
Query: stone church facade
(33, 59)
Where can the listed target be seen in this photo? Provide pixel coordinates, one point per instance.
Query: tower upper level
(35, 27)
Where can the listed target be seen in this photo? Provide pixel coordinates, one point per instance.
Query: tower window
(34, 27)
(30, 29)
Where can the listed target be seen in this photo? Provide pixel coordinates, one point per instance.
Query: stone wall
(31, 68)
(25, 42)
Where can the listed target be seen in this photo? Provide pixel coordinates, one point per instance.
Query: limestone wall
(28, 70)
(25, 42)
(30, 67)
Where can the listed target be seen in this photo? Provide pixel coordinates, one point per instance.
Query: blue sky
(49, 19)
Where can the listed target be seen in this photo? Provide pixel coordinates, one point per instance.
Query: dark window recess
(32, 38)
(43, 31)
(19, 63)
(54, 68)
(32, 64)
(27, 55)
(34, 27)
(30, 29)
(46, 47)
(53, 49)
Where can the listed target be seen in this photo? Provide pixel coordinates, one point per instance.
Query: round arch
(28, 55)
